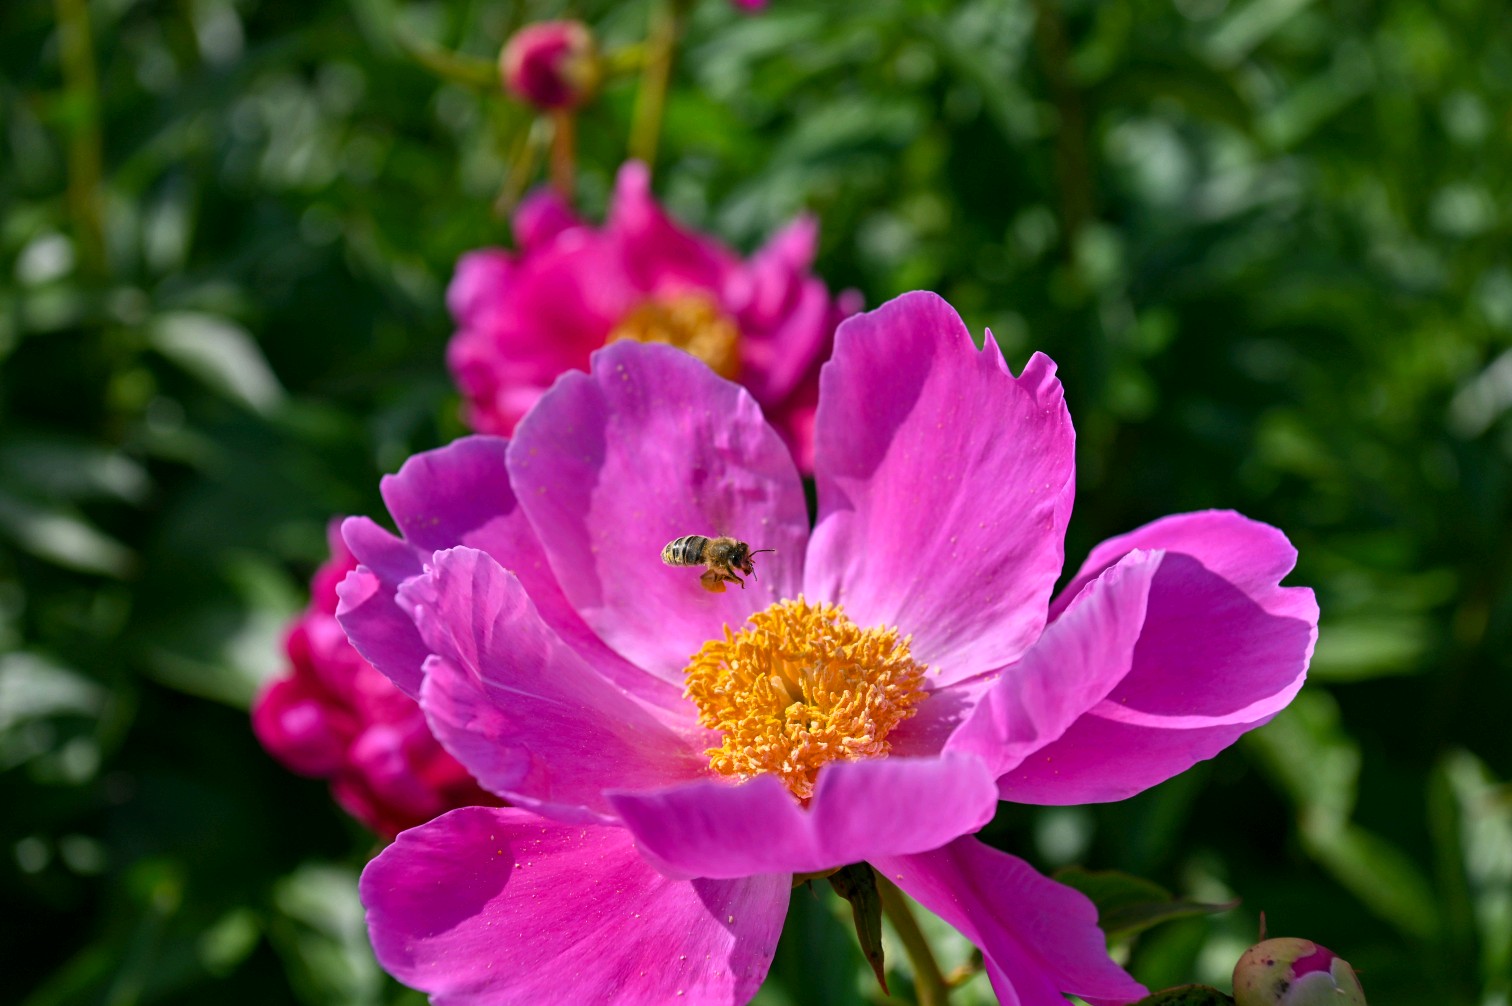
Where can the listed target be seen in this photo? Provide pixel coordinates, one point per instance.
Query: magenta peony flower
(334, 717)
(675, 756)
(551, 64)
(750, 5)
(523, 318)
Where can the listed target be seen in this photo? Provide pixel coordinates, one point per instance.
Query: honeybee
(723, 556)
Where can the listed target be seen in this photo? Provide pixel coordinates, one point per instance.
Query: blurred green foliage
(1268, 241)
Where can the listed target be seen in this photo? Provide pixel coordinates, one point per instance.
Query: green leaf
(61, 536)
(1318, 764)
(1187, 995)
(1479, 827)
(1127, 904)
(321, 935)
(220, 353)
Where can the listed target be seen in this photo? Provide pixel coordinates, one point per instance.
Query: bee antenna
(761, 550)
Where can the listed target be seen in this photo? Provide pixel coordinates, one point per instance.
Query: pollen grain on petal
(801, 686)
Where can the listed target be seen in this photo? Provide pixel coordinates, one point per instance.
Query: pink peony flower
(675, 756)
(523, 318)
(334, 717)
(551, 64)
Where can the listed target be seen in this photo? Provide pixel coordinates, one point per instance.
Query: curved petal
(521, 710)
(1251, 555)
(478, 278)
(1040, 938)
(295, 722)
(488, 906)
(460, 494)
(541, 218)
(793, 419)
(1082, 656)
(944, 486)
(648, 447)
(1223, 649)
(860, 810)
(660, 255)
(774, 360)
(383, 635)
(786, 316)
(558, 306)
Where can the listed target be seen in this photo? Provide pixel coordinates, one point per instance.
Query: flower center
(801, 687)
(692, 322)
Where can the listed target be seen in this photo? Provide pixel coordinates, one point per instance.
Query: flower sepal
(857, 884)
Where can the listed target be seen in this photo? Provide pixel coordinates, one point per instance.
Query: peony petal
(793, 420)
(523, 712)
(1082, 657)
(380, 632)
(1251, 555)
(925, 734)
(776, 360)
(661, 256)
(541, 218)
(490, 906)
(1223, 649)
(770, 275)
(461, 495)
(860, 810)
(944, 486)
(296, 723)
(787, 320)
(558, 306)
(613, 465)
(1040, 938)
(476, 284)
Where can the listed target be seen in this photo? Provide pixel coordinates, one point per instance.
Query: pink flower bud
(1293, 972)
(551, 64)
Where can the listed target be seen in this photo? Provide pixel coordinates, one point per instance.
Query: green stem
(564, 152)
(523, 162)
(656, 74)
(1073, 162)
(85, 157)
(929, 982)
(469, 71)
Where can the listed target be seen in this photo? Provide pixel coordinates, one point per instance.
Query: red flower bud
(551, 64)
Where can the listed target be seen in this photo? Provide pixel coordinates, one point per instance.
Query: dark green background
(1266, 240)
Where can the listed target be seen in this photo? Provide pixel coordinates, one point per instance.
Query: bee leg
(712, 581)
(735, 579)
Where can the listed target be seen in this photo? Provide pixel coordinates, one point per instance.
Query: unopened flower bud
(1293, 972)
(551, 64)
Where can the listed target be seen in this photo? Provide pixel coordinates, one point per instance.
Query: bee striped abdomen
(685, 551)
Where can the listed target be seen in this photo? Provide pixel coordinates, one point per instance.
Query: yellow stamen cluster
(802, 686)
(692, 322)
